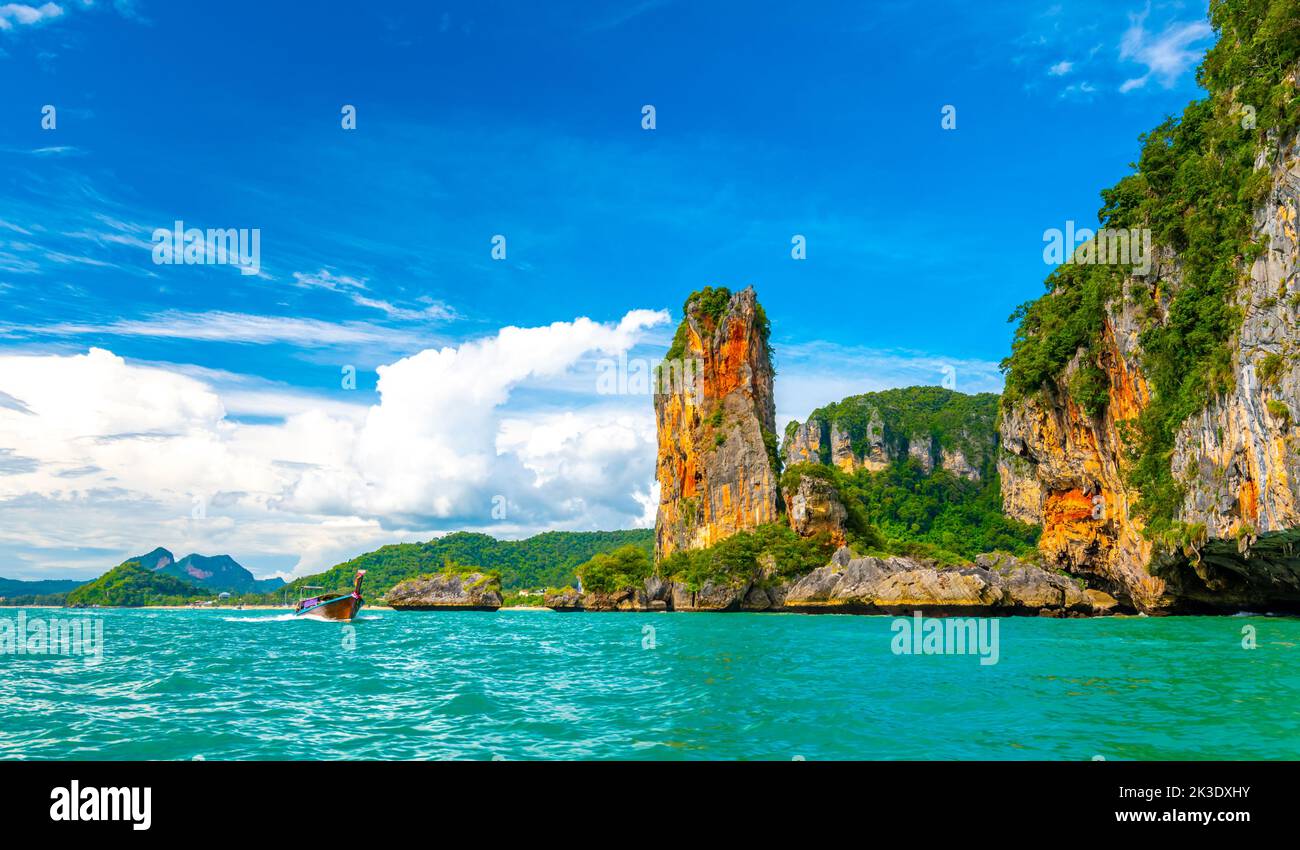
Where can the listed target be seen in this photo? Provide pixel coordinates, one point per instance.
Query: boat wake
(277, 618)
(284, 618)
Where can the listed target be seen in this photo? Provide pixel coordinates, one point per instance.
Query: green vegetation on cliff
(131, 585)
(861, 532)
(451, 567)
(610, 572)
(940, 515)
(901, 510)
(711, 302)
(544, 560)
(1196, 188)
(763, 555)
(954, 420)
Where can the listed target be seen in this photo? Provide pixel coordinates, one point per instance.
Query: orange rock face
(813, 508)
(715, 472)
(1063, 469)
(1237, 461)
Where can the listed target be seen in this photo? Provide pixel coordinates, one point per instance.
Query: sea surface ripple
(540, 685)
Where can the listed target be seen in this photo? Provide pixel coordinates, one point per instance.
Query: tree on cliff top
(711, 303)
(610, 572)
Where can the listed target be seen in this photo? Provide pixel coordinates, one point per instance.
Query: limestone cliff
(1240, 457)
(716, 428)
(1061, 468)
(938, 428)
(906, 470)
(1237, 461)
(1160, 458)
(814, 507)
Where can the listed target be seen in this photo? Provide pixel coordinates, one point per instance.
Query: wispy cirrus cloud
(432, 311)
(1167, 47)
(628, 13)
(55, 150)
(326, 279)
(427, 309)
(222, 326)
(1168, 55)
(1082, 91)
(16, 228)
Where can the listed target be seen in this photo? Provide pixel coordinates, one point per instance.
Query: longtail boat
(333, 606)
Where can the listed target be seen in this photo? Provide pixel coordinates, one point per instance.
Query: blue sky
(219, 393)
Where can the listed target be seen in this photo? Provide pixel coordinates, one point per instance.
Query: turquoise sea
(539, 685)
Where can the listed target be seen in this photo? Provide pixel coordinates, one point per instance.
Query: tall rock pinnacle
(716, 418)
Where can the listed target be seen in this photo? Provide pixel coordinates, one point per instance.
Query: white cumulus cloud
(128, 456)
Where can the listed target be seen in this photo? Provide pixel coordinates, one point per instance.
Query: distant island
(156, 577)
(36, 592)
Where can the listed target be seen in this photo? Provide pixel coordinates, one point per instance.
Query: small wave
(469, 703)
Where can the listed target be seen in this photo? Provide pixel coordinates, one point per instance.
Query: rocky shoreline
(447, 591)
(995, 585)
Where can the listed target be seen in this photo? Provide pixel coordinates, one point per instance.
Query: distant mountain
(37, 587)
(131, 585)
(217, 572)
(155, 560)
